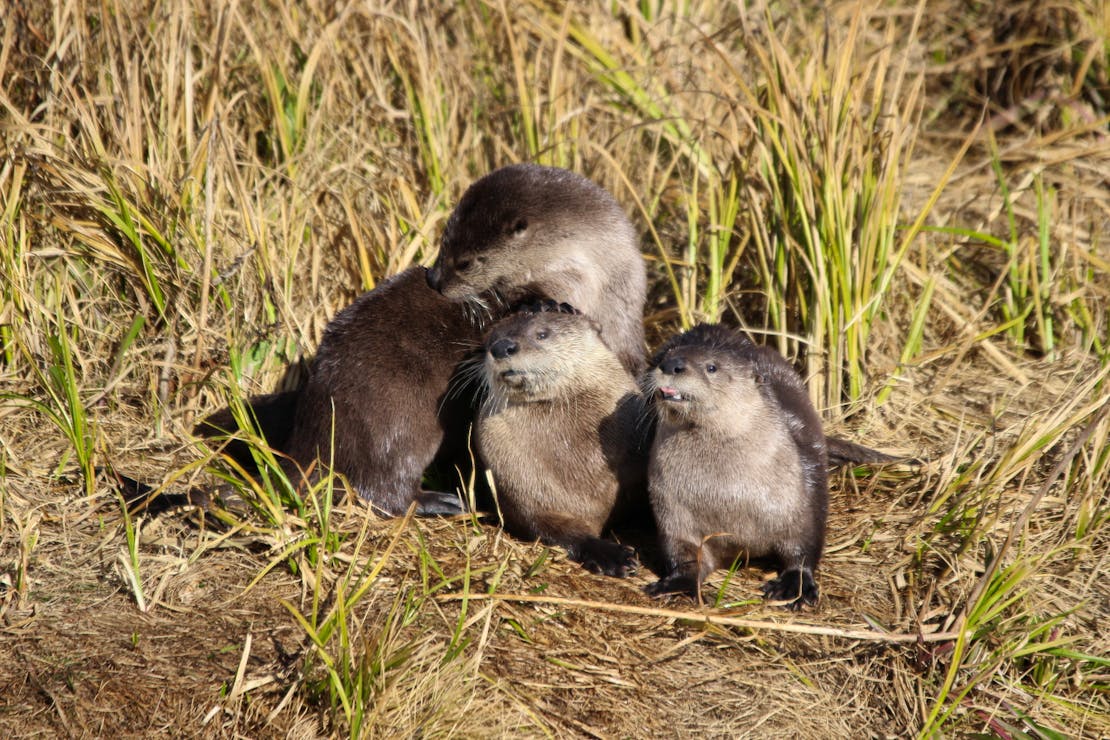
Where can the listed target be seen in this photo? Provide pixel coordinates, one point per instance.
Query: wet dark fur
(379, 388)
(556, 430)
(738, 464)
(384, 367)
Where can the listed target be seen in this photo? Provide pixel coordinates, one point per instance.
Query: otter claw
(673, 584)
(438, 503)
(607, 558)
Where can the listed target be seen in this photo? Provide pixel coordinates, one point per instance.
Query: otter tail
(843, 453)
(272, 416)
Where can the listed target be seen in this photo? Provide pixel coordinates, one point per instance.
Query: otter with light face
(558, 431)
(737, 466)
(527, 232)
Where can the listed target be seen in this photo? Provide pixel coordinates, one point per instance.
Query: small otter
(527, 232)
(557, 430)
(738, 463)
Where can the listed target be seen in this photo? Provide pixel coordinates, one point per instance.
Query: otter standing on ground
(377, 406)
(738, 464)
(557, 431)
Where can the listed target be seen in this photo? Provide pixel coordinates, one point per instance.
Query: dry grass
(188, 193)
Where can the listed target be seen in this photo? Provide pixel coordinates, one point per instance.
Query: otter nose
(503, 348)
(673, 365)
(433, 277)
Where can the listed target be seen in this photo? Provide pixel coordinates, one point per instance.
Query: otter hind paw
(607, 558)
(795, 587)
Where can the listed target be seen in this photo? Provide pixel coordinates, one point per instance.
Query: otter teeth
(670, 394)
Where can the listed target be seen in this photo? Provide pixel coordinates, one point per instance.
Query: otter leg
(596, 555)
(795, 585)
(687, 566)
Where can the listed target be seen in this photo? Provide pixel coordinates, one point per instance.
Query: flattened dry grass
(914, 205)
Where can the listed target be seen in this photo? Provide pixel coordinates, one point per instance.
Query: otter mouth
(667, 393)
(513, 378)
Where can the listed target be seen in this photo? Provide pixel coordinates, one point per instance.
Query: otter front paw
(795, 587)
(606, 558)
(676, 583)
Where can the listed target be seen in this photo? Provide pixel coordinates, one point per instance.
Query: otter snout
(672, 365)
(434, 277)
(503, 347)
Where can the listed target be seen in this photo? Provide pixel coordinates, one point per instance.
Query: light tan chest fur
(545, 458)
(748, 486)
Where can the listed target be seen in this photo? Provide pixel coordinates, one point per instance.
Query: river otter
(558, 431)
(527, 232)
(376, 406)
(520, 233)
(738, 463)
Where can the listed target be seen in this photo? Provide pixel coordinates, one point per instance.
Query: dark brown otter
(527, 232)
(376, 407)
(737, 465)
(557, 430)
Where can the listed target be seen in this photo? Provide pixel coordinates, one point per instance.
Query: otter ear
(547, 305)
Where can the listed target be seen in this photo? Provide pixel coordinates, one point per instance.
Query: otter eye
(542, 334)
(466, 263)
(711, 368)
(519, 226)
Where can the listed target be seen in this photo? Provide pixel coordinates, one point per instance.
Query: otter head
(539, 353)
(704, 377)
(525, 232)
